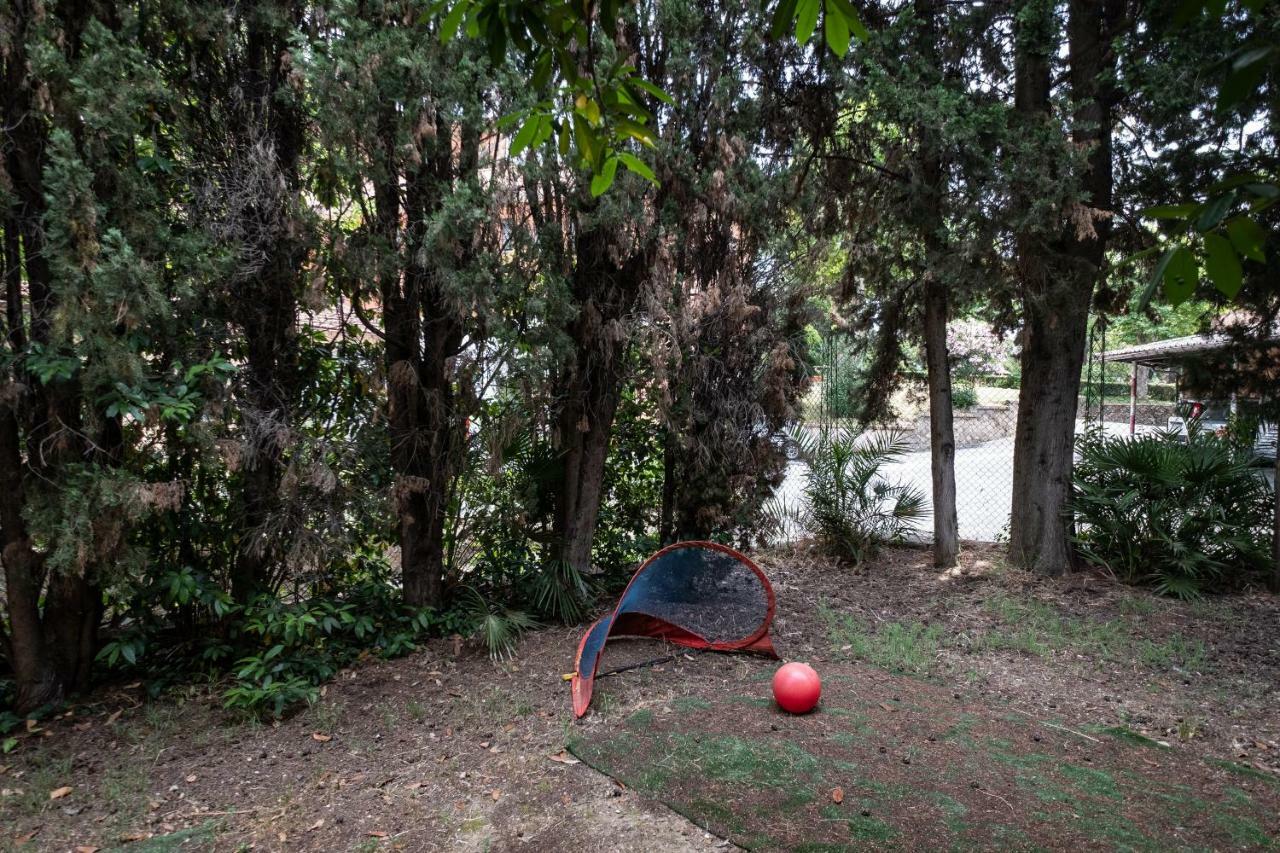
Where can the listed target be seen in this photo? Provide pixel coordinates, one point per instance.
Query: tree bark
(1275, 528)
(942, 443)
(265, 303)
(590, 388)
(1058, 274)
(424, 333)
(53, 619)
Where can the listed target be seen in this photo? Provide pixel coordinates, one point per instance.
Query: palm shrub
(848, 503)
(1185, 517)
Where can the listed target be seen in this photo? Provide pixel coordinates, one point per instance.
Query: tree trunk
(424, 333)
(52, 620)
(942, 443)
(1058, 275)
(265, 304)
(1275, 529)
(590, 389)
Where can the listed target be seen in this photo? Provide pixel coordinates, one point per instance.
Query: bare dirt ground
(445, 749)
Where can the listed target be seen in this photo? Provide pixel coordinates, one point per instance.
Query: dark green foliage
(1185, 517)
(964, 396)
(277, 652)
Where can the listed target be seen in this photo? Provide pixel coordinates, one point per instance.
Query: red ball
(797, 687)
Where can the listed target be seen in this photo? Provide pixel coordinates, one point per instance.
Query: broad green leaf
(541, 72)
(852, 20)
(1233, 182)
(782, 18)
(1263, 190)
(453, 20)
(1248, 238)
(602, 181)
(806, 20)
(1180, 276)
(1239, 84)
(658, 93)
(588, 109)
(588, 141)
(637, 131)
(1251, 57)
(836, 30)
(525, 135)
(1156, 275)
(635, 164)
(1214, 210)
(1222, 264)
(1169, 211)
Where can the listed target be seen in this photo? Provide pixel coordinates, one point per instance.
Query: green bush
(278, 651)
(964, 396)
(1186, 518)
(849, 504)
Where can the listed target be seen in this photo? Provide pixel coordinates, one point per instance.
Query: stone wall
(971, 426)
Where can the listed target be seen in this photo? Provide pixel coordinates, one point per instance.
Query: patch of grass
(1243, 830)
(1097, 783)
(1245, 770)
(900, 647)
(733, 759)
(1187, 653)
(1038, 628)
(48, 772)
(953, 812)
(714, 812)
(176, 840)
(640, 719)
(1128, 735)
(690, 703)
(1136, 605)
(416, 712)
(861, 827)
(961, 730)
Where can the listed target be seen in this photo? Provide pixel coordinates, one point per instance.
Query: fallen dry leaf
(837, 795)
(495, 793)
(114, 716)
(59, 793)
(323, 738)
(564, 758)
(191, 778)
(413, 786)
(316, 825)
(377, 833)
(887, 706)
(31, 725)
(26, 836)
(85, 848)
(134, 836)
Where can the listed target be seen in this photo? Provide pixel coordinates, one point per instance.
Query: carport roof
(1159, 353)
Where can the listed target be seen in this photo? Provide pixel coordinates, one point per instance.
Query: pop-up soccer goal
(696, 594)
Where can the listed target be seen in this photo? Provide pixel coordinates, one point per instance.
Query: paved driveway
(984, 484)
